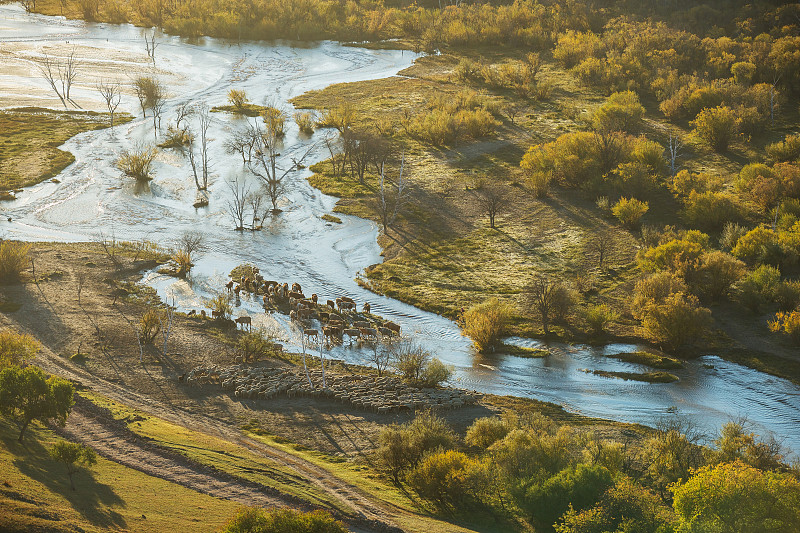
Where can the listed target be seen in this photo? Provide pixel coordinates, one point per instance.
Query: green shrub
(710, 210)
(150, 325)
(486, 431)
(598, 317)
(787, 295)
(678, 320)
(653, 290)
(274, 120)
(785, 150)
(237, 98)
(435, 373)
(731, 233)
(485, 323)
(716, 126)
(253, 346)
(137, 162)
(16, 348)
(305, 120)
(443, 478)
(221, 303)
(74, 456)
(258, 520)
(630, 211)
(715, 275)
(759, 286)
(787, 323)
(577, 487)
(402, 447)
(13, 260)
(621, 112)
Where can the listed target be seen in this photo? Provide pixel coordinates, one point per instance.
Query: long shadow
(92, 499)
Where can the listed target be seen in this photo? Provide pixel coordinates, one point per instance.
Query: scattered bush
(678, 320)
(305, 120)
(253, 346)
(788, 323)
(731, 233)
(150, 325)
(137, 162)
(787, 295)
(16, 348)
(598, 317)
(258, 520)
(238, 99)
(13, 260)
(758, 287)
(539, 183)
(74, 456)
(685, 183)
(274, 121)
(653, 290)
(621, 112)
(443, 478)
(485, 323)
(176, 138)
(715, 275)
(710, 210)
(785, 150)
(630, 211)
(716, 126)
(221, 305)
(486, 431)
(743, 498)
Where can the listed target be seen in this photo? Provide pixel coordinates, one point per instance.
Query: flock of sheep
(379, 394)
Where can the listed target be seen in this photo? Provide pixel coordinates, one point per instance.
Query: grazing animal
(296, 295)
(324, 317)
(192, 313)
(216, 314)
(296, 287)
(293, 315)
(386, 332)
(202, 313)
(245, 320)
(285, 290)
(314, 298)
(353, 333)
(369, 332)
(229, 285)
(366, 307)
(361, 324)
(348, 300)
(332, 305)
(392, 326)
(310, 332)
(237, 290)
(332, 331)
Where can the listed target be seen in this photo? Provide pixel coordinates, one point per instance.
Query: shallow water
(297, 246)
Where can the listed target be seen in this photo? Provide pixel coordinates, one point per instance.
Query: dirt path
(114, 441)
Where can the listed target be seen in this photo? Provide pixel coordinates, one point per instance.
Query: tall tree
(26, 394)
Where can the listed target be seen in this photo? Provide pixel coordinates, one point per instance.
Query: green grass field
(35, 494)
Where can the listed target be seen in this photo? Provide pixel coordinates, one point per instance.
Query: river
(297, 245)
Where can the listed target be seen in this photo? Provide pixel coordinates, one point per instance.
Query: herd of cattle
(337, 318)
(382, 394)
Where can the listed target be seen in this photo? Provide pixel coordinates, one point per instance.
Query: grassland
(35, 494)
(646, 377)
(31, 136)
(648, 359)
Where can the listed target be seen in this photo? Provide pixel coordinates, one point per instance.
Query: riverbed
(297, 245)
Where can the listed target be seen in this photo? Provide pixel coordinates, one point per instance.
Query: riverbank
(29, 153)
(440, 253)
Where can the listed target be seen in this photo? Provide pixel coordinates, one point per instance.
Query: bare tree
(392, 201)
(158, 99)
(550, 299)
(336, 162)
(264, 163)
(359, 150)
(491, 199)
(237, 204)
(150, 46)
(242, 141)
(255, 201)
(110, 92)
(111, 249)
(201, 176)
(674, 150)
(601, 244)
(182, 113)
(60, 75)
(380, 352)
(166, 321)
(148, 90)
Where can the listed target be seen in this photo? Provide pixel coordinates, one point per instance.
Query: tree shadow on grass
(92, 499)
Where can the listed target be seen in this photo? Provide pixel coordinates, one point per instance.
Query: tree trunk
(22, 430)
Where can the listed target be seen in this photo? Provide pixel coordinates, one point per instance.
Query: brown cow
(332, 305)
(392, 326)
(366, 308)
(292, 315)
(348, 300)
(324, 317)
(361, 324)
(244, 320)
(386, 332)
(314, 298)
(215, 314)
(229, 285)
(353, 333)
(296, 287)
(310, 333)
(297, 295)
(369, 332)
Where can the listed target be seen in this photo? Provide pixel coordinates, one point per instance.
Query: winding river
(298, 245)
